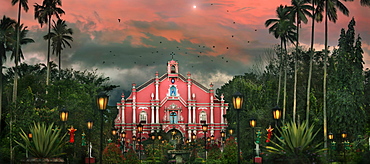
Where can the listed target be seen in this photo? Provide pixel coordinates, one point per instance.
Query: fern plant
(46, 142)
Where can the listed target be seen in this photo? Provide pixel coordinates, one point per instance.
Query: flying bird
(119, 20)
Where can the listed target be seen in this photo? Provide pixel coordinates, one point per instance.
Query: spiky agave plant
(46, 142)
(296, 141)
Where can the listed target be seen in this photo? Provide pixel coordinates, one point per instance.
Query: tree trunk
(325, 74)
(48, 56)
(310, 68)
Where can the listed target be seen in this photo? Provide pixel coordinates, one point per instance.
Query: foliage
(346, 85)
(230, 151)
(46, 141)
(112, 154)
(214, 154)
(131, 157)
(296, 142)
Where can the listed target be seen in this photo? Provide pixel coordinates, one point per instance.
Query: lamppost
(123, 136)
(134, 142)
(252, 124)
(344, 136)
(153, 138)
(101, 102)
(205, 128)
(90, 124)
(140, 130)
(332, 143)
(238, 103)
(223, 134)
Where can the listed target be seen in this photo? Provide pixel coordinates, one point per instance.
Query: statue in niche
(173, 91)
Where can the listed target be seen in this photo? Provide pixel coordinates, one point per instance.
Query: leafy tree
(44, 13)
(346, 85)
(330, 7)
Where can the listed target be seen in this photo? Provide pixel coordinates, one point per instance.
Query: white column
(194, 116)
(134, 110)
(123, 114)
(152, 107)
(212, 110)
(189, 114)
(157, 115)
(222, 113)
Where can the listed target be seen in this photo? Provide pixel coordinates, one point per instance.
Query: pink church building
(173, 103)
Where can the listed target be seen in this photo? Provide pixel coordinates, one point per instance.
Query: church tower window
(203, 116)
(143, 116)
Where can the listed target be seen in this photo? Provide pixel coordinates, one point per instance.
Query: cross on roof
(172, 54)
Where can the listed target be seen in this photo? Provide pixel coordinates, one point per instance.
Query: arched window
(173, 69)
(143, 116)
(203, 116)
(173, 118)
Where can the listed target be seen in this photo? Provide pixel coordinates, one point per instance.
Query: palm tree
(316, 17)
(22, 41)
(60, 37)
(24, 4)
(6, 32)
(330, 14)
(43, 14)
(365, 3)
(298, 11)
(282, 28)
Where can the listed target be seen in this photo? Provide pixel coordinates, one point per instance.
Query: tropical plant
(60, 37)
(46, 141)
(299, 12)
(284, 29)
(24, 4)
(296, 143)
(6, 32)
(316, 17)
(43, 14)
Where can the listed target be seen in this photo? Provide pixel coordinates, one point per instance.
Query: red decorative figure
(72, 134)
(269, 133)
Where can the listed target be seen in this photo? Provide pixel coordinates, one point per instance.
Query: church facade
(173, 103)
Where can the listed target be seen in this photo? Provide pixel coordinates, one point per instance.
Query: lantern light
(276, 111)
(252, 122)
(90, 124)
(102, 101)
(204, 127)
(123, 134)
(344, 134)
(140, 128)
(331, 136)
(238, 100)
(63, 114)
(222, 133)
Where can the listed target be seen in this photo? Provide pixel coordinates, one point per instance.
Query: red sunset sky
(128, 40)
